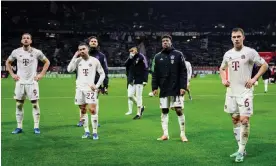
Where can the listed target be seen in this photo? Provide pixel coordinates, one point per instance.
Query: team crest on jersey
(31, 55)
(137, 60)
(80, 64)
(90, 65)
(20, 55)
(243, 57)
(172, 59)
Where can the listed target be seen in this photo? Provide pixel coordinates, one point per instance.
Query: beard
(93, 50)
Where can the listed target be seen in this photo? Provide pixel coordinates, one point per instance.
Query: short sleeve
(256, 58)
(41, 56)
(224, 62)
(12, 57)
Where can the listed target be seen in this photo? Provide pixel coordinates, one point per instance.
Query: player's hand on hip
(155, 92)
(250, 83)
(93, 87)
(38, 77)
(15, 77)
(226, 83)
(182, 91)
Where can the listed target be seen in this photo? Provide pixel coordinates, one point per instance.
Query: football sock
(164, 123)
(94, 121)
(130, 105)
(237, 132)
(86, 123)
(245, 128)
(266, 84)
(19, 114)
(181, 121)
(36, 115)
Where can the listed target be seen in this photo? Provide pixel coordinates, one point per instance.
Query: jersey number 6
(246, 103)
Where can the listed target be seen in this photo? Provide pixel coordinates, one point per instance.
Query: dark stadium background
(201, 30)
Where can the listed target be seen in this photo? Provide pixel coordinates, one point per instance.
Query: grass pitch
(124, 141)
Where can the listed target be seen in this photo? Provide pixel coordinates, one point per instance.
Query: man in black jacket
(94, 51)
(169, 73)
(137, 78)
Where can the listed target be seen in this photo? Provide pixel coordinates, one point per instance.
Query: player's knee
(92, 111)
(165, 110)
(35, 105)
(83, 109)
(19, 105)
(131, 97)
(245, 121)
(178, 111)
(235, 120)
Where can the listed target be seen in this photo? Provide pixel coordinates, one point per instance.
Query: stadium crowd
(61, 26)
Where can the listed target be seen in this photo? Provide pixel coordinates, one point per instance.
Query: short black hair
(83, 44)
(166, 36)
(238, 30)
(92, 37)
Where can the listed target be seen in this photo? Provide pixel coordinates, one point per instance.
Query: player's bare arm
(261, 71)
(72, 65)
(44, 70)
(222, 72)
(93, 87)
(9, 68)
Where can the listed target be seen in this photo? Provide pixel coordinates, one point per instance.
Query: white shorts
(242, 105)
(85, 97)
(137, 90)
(23, 91)
(171, 102)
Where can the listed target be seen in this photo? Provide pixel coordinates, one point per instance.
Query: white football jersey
(27, 62)
(189, 69)
(86, 72)
(239, 65)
